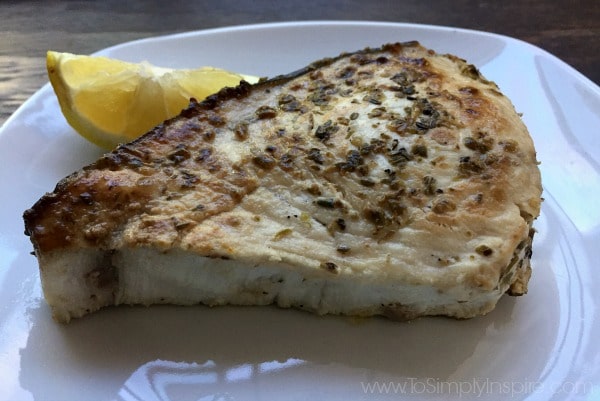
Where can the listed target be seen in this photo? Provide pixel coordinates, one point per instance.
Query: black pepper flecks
(399, 157)
(352, 162)
(367, 182)
(315, 155)
(241, 131)
(482, 144)
(326, 130)
(330, 267)
(468, 166)
(343, 248)
(265, 112)
(346, 72)
(209, 135)
(264, 161)
(429, 184)
(375, 216)
(375, 96)
(343, 120)
(286, 161)
(189, 180)
(328, 203)
(322, 91)
(289, 103)
(376, 112)
(443, 205)
(484, 250)
(419, 150)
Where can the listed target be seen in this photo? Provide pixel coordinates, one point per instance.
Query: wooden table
(569, 30)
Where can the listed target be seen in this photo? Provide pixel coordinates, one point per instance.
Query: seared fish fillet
(391, 181)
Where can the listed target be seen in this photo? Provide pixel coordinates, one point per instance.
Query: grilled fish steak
(392, 181)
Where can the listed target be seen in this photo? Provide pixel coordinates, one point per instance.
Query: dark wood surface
(568, 29)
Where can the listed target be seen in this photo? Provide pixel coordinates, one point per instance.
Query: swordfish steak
(392, 181)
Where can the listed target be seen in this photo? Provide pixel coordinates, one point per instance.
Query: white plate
(540, 346)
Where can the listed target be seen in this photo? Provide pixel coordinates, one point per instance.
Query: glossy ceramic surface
(541, 346)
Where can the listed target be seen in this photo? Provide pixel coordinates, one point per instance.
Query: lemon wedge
(109, 101)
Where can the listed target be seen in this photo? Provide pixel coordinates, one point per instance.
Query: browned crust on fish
(400, 157)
